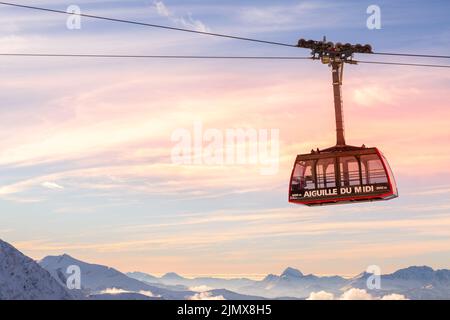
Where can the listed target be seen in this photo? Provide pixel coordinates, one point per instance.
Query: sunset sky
(85, 157)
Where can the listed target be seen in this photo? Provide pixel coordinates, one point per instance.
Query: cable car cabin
(341, 175)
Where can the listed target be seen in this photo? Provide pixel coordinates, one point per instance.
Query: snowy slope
(293, 283)
(172, 279)
(99, 279)
(412, 282)
(21, 278)
(415, 282)
(144, 277)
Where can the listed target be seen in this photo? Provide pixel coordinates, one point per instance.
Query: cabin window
(303, 176)
(349, 171)
(326, 177)
(372, 170)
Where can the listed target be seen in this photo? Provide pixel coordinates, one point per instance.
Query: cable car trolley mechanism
(343, 173)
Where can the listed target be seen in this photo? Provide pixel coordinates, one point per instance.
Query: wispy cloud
(184, 21)
(51, 185)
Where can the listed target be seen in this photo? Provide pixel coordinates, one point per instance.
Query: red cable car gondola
(340, 175)
(343, 173)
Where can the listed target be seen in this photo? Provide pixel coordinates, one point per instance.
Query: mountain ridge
(98, 278)
(411, 281)
(21, 278)
(46, 279)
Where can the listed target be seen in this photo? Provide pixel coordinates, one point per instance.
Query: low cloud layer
(114, 291)
(206, 296)
(321, 295)
(353, 294)
(201, 288)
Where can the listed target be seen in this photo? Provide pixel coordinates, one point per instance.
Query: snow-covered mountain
(412, 282)
(293, 283)
(173, 279)
(144, 277)
(416, 282)
(290, 284)
(292, 273)
(99, 279)
(21, 278)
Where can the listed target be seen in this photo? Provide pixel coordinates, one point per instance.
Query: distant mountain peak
(419, 269)
(271, 277)
(363, 275)
(141, 276)
(172, 275)
(66, 257)
(291, 273)
(59, 258)
(414, 272)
